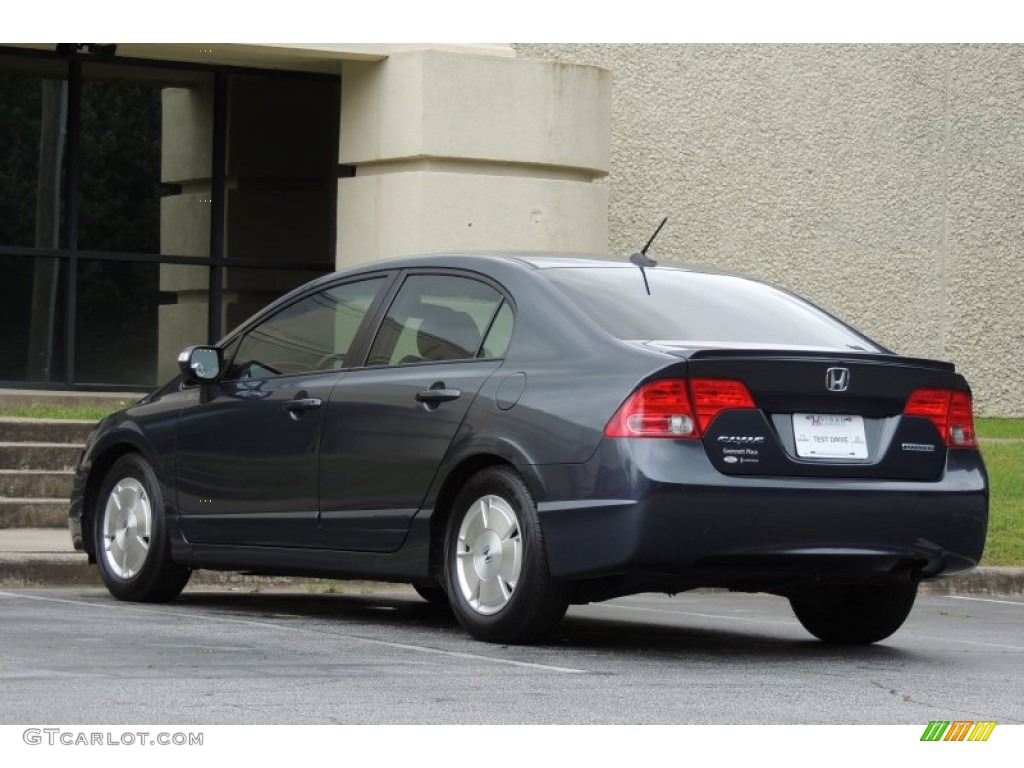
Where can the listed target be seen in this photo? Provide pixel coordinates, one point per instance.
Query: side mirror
(200, 364)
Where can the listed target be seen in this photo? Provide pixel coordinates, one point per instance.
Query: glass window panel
(146, 160)
(133, 318)
(311, 335)
(282, 159)
(248, 290)
(33, 119)
(500, 335)
(434, 318)
(699, 308)
(32, 319)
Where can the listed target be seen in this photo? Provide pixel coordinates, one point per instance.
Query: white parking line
(271, 625)
(986, 600)
(959, 640)
(699, 615)
(793, 623)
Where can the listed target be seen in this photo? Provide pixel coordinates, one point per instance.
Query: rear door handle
(438, 395)
(302, 404)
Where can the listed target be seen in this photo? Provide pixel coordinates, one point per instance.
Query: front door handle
(302, 404)
(435, 396)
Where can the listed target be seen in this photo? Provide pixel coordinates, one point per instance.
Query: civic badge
(837, 379)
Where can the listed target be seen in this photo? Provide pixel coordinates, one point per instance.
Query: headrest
(445, 333)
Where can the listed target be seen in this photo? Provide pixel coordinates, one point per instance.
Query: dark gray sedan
(512, 434)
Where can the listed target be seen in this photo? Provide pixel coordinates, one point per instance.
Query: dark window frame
(68, 257)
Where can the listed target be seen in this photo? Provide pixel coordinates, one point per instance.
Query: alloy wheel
(127, 528)
(489, 554)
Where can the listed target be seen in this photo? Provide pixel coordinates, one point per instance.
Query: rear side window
(435, 318)
(701, 309)
(500, 335)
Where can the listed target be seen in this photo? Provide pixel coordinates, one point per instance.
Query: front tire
(132, 548)
(432, 593)
(856, 615)
(496, 567)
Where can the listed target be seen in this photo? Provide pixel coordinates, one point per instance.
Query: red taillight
(949, 410)
(961, 421)
(659, 409)
(711, 396)
(676, 408)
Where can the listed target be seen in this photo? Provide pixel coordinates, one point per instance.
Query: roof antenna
(642, 260)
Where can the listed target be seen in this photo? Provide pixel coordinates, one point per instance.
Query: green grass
(1005, 464)
(79, 412)
(1000, 427)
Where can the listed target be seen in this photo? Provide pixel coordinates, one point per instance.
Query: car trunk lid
(819, 413)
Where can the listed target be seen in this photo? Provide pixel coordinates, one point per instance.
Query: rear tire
(496, 565)
(856, 615)
(130, 535)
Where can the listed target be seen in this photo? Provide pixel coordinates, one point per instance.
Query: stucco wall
(883, 182)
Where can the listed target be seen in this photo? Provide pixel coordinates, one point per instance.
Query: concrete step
(44, 431)
(58, 457)
(35, 484)
(33, 513)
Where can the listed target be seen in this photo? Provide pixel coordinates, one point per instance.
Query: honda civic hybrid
(512, 434)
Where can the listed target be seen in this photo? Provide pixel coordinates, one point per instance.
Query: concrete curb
(69, 569)
(987, 580)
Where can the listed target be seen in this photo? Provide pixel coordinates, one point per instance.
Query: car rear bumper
(635, 517)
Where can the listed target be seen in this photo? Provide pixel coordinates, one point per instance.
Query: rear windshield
(701, 309)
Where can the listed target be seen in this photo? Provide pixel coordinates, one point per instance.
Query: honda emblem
(837, 379)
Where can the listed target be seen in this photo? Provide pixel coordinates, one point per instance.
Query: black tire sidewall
(432, 593)
(537, 603)
(159, 578)
(871, 614)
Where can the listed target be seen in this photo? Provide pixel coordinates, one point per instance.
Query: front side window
(435, 318)
(313, 334)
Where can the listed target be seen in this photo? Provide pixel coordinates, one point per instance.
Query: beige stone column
(186, 160)
(468, 152)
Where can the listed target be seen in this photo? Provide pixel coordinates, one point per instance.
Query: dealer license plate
(829, 436)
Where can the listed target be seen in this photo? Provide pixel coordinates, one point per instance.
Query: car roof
(469, 260)
(532, 259)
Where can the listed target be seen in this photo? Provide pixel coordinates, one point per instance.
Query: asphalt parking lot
(381, 655)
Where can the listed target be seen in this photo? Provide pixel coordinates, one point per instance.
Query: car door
(247, 448)
(389, 424)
